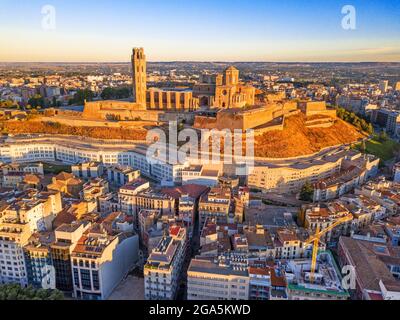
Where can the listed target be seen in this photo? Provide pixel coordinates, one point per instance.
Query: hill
(19, 127)
(296, 139)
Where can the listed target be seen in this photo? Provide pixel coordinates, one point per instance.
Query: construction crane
(315, 239)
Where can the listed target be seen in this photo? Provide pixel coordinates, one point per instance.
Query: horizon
(200, 31)
(201, 61)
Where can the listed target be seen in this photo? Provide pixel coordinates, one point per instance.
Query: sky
(198, 30)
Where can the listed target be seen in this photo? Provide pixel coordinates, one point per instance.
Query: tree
(81, 95)
(107, 94)
(363, 147)
(357, 120)
(16, 292)
(383, 136)
(370, 128)
(307, 192)
(116, 93)
(36, 101)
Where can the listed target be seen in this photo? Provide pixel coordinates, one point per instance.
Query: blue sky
(202, 30)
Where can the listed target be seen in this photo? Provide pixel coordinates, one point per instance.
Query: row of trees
(16, 292)
(35, 102)
(355, 120)
(116, 93)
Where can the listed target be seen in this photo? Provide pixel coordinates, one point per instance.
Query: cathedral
(223, 91)
(218, 91)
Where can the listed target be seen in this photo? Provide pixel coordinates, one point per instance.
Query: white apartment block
(222, 278)
(15, 229)
(163, 268)
(63, 149)
(100, 261)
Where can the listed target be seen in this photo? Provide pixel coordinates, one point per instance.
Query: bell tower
(139, 77)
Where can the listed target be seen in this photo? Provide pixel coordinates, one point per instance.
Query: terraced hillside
(296, 139)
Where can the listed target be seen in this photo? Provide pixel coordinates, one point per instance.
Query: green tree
(81, 95)
(370, 129)
(107, 94)
(116, 93)
(16, 292)
(307, 192)
(36, 101)
(383, 136)
(363, 147)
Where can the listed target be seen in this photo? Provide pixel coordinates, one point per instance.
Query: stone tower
(139, 76)
(231, 76)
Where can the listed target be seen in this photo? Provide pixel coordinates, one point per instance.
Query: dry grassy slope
(296, 139)
(18, 127)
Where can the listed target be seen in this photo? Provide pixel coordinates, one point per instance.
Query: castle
(230, 102)
(221, 91)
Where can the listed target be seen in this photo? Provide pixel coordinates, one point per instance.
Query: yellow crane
(316, 238)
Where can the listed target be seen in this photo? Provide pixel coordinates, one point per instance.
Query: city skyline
(290, 31)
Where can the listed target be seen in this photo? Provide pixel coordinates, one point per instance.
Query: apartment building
(94, 189)
(119, 176)
(150, 199)
(386, 193)
(88, 170)
(39, 263)
(201, 175)
(267, 282)
(24, 214)
(108, 203)
(222, 278)
(58, 148)
(32, 168)
(355, 171)
(377, 266)
(216, 204)
(15, 232)
(323, 216)
(127, 195)
(288, 176)
(100, 260)
(289, 245)
(147, 219)
(66, 238)
(164, 265)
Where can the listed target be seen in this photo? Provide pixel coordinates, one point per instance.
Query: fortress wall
(290, 106)
(315, 106)
(258, 118)
(328, 113)
(277, 127)
(229, 120)
(97, 109)
(201, 122)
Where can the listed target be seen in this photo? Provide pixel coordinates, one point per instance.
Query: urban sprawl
(83, 210)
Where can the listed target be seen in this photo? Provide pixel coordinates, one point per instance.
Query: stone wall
(104, 109)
